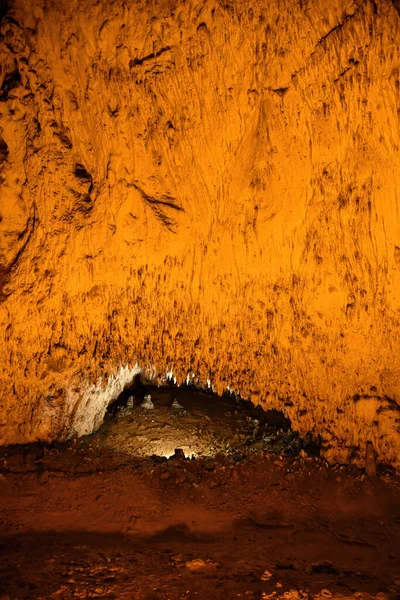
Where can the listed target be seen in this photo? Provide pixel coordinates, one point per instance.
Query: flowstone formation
(208, 187)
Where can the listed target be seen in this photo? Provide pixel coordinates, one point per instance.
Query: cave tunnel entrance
(169, 420)
(126, 513)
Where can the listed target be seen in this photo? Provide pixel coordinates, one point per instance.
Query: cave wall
(208, 187)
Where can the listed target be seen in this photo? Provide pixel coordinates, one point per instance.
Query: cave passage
(127, 513)
(209, 185)
(166, 420)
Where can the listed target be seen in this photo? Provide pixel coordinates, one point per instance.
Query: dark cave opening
(4, 7)
(163, 420)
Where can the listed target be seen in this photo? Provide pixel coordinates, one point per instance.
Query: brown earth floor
(81, 523)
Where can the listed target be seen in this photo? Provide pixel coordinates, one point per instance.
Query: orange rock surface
(205, 187)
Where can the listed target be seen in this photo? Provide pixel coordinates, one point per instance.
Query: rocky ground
(155, 420)
(89, 520)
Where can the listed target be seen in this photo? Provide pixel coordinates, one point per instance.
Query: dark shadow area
(67, 564)
(3, 150)
(137, 390)
(4, 8)
(11, 81)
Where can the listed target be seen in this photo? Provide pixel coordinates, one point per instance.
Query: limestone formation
(205, 187)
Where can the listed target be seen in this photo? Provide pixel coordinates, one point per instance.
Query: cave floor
(198, 423)
(77, 522)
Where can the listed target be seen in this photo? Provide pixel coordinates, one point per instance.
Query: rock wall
(207, 187)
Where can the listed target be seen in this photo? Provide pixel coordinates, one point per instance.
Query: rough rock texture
(204, 186)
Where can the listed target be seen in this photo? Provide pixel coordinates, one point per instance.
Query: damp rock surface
(203, 187)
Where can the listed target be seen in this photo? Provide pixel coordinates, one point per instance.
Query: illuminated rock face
(208, 187)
